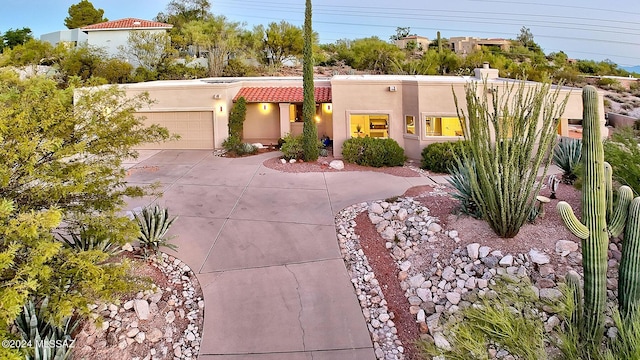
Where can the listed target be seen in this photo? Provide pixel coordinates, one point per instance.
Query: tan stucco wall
(418, 96)
(262, 125)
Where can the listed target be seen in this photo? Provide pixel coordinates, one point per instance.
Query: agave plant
(48, 341)
(86, 241)
(566, 155)
(459, 180)
(154, 223)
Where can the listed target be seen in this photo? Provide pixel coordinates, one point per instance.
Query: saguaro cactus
(593, 229)
(629, 272)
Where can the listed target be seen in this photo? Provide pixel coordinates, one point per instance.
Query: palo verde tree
(309, 130)
(61, 174)
(511, 130)
(83, 14)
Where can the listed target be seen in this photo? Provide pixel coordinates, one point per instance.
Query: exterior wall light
(264, 107)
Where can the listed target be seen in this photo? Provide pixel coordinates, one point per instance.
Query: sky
(586, 29)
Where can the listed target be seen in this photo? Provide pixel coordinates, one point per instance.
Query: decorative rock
(170, 317)
(293, 161)
(127, 247)
(453, 297)
(538, 257)
(142, 309)
(128, 305)
(336, 164)
(283, 161)
(484, 251)
(564, 247)
(139, 338)
(376, 208)
(154, 335)
(422, 316)
(133, 332)
(506, 260)
(472, 251)
(402, 214)
(435, 227)
(441, 342)
(550, 294)
(449, 273)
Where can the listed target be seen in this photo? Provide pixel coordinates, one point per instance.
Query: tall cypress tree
(309, 131)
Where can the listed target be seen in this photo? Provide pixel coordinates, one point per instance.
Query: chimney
(485, 72)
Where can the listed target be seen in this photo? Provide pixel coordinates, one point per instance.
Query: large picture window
(371, 125)
(442, 126)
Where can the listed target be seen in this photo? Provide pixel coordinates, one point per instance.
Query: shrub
(292, 147)
(510, 321)
(622, 152)
(236, 118)
(566, 155)
(154, 223)
(368, 151)
(460, 181)
(440, 157)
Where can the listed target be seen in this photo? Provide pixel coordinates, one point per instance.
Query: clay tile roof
(281, 94)
(128, 23)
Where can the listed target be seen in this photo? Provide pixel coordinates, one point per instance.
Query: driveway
(263, 246)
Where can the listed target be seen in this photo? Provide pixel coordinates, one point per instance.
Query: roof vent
(137, 23)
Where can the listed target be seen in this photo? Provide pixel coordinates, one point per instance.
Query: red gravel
(387, 274)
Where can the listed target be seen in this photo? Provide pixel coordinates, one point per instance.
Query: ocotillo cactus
(593, 229)
(629, 272)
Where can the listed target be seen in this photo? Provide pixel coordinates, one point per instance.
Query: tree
(147, 48)
(83, 14)
(511, 133)
(62, 174)
(12, 38)
(82, 62)
(180, 12)
(401, 33)
(374, 54)
(217, 38)
(309, 129)
(282, 41)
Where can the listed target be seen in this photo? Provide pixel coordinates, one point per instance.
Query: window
(410, 125)
(442, 126)
(372, 125)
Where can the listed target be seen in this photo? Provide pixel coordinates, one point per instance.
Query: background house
(110, 36)
(421, 42)
(467, 45)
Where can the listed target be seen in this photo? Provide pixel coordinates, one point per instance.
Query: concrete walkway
(263, 246)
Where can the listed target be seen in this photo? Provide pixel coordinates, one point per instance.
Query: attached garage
(194, 127)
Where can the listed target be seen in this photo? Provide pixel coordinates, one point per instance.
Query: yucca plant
(48, 341)
(86, 241)
(566, 155)
(154, 223)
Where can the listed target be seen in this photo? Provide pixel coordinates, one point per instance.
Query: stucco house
(466, 45)
(109, 35)
(414, 110)
(420, 42)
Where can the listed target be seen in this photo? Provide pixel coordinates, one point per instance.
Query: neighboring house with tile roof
(414, 110)
(110, 35)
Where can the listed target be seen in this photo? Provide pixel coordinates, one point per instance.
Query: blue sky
(585, 29)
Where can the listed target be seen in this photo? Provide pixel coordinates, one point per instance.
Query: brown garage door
(194, 127)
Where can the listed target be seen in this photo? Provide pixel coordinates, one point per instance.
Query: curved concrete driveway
(263, 246)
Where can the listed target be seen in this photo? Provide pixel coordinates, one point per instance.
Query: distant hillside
(632, 69)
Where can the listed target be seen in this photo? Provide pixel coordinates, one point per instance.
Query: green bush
(440, 157)
(368, 151)
(236, 147)
(236, 118)
(621, 151)
(292, 147)
(566, 155)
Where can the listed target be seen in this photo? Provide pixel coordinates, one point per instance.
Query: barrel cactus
(600, 219)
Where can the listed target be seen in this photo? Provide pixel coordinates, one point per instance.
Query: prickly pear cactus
(593, 229)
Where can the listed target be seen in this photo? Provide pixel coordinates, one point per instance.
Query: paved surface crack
(304, 346)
